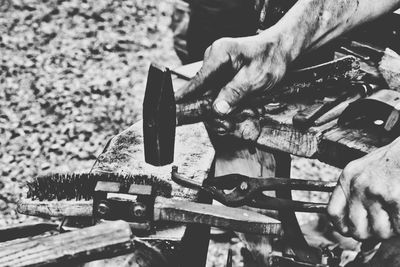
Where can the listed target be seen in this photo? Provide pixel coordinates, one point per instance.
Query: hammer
(161, 114)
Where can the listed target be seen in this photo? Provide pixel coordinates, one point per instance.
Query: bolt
(244, 186)
(103, 208)
(174, 168)
(139, 210)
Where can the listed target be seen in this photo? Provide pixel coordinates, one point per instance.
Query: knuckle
(224, 43)
(237, 91)
(333, 211)
(351, 169)
(207, 52)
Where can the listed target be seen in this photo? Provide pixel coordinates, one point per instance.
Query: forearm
(310, 24)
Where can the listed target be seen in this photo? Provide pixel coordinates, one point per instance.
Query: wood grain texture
(90, 243)
(224, 217)
(63, 208)
(25, 230)
(193, 156)
(239, 157)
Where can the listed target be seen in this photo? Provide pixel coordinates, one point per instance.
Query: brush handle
(62, 208)
(194, 111)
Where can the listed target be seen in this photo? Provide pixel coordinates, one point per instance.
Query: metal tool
(308, 117)
(141, 208)
(248, 191)
(161, 114)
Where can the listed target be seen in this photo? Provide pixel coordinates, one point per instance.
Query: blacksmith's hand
(233, 68)
(366, 201)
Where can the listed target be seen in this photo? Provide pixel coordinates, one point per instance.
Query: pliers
(237, 190)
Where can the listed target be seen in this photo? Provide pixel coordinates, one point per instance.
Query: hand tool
(161, 114)
(109, 196)
(308, 117)
(248, 191)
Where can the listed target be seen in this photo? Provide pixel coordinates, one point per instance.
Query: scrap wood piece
(340, 145)
(224, 217)
(25, 229)
(107, 239)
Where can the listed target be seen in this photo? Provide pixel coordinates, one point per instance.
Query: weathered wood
(193, 155)
(237, 157)
(165, 209)
(340, 145)
(24, 230)
(100, 241)
(54, 208)
(224, 217)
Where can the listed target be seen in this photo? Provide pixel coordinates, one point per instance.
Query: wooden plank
(237, 157)
(340, 145)
(24, 230)
(90, 243)
(224, 217)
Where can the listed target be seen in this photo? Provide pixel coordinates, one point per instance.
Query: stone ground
(72, 74)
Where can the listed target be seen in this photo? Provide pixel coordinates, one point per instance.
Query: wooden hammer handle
(194, 111)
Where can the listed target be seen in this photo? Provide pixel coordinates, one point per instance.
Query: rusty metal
(245, 190)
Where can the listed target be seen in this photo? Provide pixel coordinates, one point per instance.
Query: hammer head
(159, 117)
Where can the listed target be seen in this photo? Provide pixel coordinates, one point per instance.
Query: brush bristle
(80, 186)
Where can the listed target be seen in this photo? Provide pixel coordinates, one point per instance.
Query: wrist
(285, 41)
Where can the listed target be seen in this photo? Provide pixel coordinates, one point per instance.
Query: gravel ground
(72, 74)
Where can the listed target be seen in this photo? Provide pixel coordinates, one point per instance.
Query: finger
(358, 219)
(212, 72)
(231, 94)
(379, 221)
(337, 209)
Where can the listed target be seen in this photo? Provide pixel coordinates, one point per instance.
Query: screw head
(244, 186)
(103, 208)
(139, 210)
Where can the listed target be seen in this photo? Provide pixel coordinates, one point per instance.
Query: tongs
(236, 190)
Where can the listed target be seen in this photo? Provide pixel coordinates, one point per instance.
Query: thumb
(231, 94)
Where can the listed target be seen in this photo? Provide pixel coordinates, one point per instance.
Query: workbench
(196, 157)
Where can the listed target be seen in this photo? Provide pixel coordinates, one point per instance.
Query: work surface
(194, 152)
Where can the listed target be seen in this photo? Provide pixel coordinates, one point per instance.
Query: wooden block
(96, 242)
(224, 217)
(24, 230)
